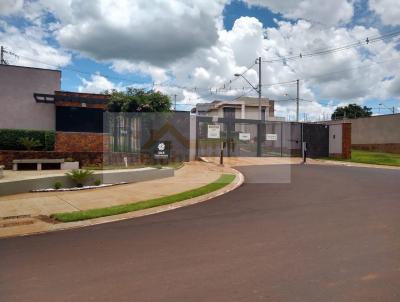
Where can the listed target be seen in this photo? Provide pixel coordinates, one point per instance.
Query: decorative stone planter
(70, 165)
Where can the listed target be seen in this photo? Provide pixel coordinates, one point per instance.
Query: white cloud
(158, 74)
(387, 10)
(353, 75)
(97, 84)
(9, 7)
(325, 12)
(32, 48)
(157, 32)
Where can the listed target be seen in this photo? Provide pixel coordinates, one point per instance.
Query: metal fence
(250, 138)
(134, 137)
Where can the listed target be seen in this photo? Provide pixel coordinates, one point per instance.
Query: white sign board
(214, 131)
(244, 136)
(271, 137)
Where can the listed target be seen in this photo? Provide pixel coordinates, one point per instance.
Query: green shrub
(57, 185)
(49, 140)
(29, 143)
(10, 139)
(79, 176)
(97, 182)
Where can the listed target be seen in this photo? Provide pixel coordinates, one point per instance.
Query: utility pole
(3, 51)
(259, 87)
(3, 62)
(175, 102)
(297, 100)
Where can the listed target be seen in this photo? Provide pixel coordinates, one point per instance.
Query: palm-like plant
(29, 143)
(79, 176)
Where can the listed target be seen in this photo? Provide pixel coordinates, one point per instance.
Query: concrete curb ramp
(44, 227)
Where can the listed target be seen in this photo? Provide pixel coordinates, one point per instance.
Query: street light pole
(297, 101)
(259, 88)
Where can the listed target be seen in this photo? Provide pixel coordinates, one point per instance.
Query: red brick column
(346, 140)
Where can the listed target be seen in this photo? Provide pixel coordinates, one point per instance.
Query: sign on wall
(214, 131)
(162, 150)
(244, 136)
(271, 137)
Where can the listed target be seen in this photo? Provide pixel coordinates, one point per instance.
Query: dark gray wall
(19, 109)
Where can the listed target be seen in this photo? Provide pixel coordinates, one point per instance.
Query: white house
(242, 108)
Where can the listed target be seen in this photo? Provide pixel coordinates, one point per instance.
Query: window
(229, 113)
(77, 119)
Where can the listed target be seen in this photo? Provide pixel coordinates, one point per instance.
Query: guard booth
(259, 138)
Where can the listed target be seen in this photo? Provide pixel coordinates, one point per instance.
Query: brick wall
(79, 142)
(66, 99)
(346, 140)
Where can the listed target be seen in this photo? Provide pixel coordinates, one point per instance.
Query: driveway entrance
(255, 138)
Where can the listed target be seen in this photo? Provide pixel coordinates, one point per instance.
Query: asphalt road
(332, 234)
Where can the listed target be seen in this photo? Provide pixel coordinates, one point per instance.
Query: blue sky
(113, 44)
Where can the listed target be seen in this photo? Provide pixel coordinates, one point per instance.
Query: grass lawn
(221, 182)
(376, 158)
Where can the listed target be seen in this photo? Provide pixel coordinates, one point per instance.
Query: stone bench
(38, 162)
(1, 171)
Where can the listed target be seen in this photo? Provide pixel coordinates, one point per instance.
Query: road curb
(351, 164)
(237, 182)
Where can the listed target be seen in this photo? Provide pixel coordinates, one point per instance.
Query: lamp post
(256, 88)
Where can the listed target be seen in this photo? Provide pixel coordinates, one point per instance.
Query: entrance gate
(251, 138)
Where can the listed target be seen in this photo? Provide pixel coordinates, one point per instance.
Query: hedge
(10, 139)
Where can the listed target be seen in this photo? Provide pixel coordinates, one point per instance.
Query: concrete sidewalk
(19, 213)
(254, 161)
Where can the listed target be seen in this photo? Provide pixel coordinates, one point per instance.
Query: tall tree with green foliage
(138, 100)
(351, 111)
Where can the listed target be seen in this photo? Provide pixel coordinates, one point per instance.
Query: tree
(351, 111)
(138, 100)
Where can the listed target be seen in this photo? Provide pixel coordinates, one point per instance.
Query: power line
(326, 51)
(352, 68)
(3, 52)
(162, 84)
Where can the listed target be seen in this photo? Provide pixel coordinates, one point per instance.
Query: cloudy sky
(192, 48)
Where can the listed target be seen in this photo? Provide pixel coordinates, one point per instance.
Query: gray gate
(248, 138)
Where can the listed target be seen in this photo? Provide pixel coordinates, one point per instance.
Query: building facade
(18, 107)
(242, 108)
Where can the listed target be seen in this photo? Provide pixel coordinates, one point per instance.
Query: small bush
(97, 182)
(57, 185)
(79, 176)
(49, 140)
(10, 139)
(29, 143)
